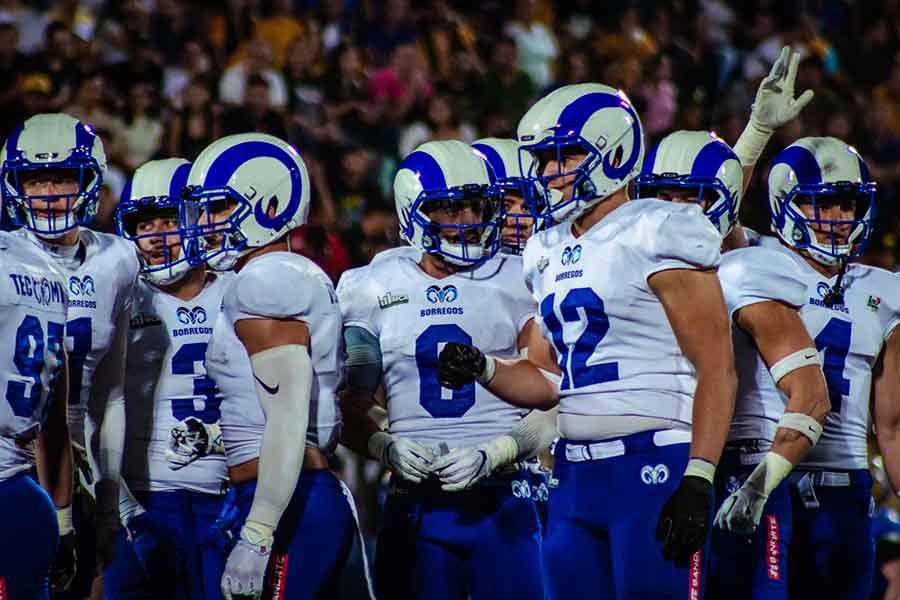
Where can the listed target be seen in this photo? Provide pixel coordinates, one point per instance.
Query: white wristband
(770, 472)
(64, 520)
(801, 358)
(258, 534)
(805, 424)
(490, 369)
(699, 467)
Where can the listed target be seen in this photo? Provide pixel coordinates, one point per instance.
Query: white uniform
(33, 297)
(849, 337)
(167, 382)
(279, 285)
(100, 292)
(407, 251)
(616, 348)
(413, 315)
(749, 276)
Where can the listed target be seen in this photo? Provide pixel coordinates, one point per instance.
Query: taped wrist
(796, 360)
(700, 467)
(490, 369)
(805, 424)
(769, 473)
(64, 520)
(259, 535)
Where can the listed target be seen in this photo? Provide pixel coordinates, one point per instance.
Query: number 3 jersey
(33, 299)
(285, 286)
(413, 315)
(616, 348)
(849, 337)
(167, 387)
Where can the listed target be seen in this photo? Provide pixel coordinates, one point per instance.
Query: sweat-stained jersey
(749, 276)
(616, 348)
(278, 285)
(33, 300)
(849, 338)
(166, 383)
(413, 315)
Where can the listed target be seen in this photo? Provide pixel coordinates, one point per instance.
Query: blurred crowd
(357, 84)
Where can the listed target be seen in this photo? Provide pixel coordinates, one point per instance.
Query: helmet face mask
(214, 217)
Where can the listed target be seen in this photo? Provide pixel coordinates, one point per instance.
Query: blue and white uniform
(620, 363)
(33, 294)
(437, 544)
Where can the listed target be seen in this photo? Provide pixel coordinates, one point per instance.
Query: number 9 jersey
(34, 301)
(616, 348)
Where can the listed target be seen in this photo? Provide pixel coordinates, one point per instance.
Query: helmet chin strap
(835, 295)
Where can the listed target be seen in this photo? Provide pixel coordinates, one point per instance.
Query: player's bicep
(262, 334)
(539, 350)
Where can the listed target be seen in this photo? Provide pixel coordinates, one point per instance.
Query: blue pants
(540, 492)
(313, 539)
(174, 554)
(750, 568)
(28, 538)
(832, 549)
(481, 543)
(601, 533)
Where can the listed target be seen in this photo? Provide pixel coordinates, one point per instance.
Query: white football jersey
(100, 289)
(167, 382)
(279, 285)
(33, 296)
(413, 315)
(749, 276)
(616, 348)
(407, 251)
(849, 338)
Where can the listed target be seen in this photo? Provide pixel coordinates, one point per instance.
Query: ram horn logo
(655, 475)
(572, 255)
(81, 287)
(436, 294)
(194, 315)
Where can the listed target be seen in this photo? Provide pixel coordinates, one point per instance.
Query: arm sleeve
(680, 238)
(362, 360)
(753, 275)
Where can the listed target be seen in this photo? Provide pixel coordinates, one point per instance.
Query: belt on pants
(586, 451)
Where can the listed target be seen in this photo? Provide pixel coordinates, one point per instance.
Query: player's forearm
(521, 383)
(712, 412)
(357, 425)
(889, 445)
(807, 395)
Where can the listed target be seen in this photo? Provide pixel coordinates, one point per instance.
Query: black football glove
(65, 564)
(685, 519)
(459, 364)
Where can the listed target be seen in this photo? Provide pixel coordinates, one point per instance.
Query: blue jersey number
(184, 362)
(835, 340)
(576, 372)
(82, 337)
(430, 390)
(29, 360)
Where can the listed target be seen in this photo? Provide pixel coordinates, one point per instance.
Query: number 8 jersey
(413, 315)
(33, 297)
(616, 348)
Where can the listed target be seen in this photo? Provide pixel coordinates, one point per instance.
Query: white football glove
(190, 439)
(774, 106)
(245, 569)
(742, 510)
(404, 457)
(462, 468)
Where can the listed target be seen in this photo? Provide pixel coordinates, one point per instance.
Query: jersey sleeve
(753, 275)
(892, 298)
(356, 299)
(276, 289)
(129, 269)
(681, 238)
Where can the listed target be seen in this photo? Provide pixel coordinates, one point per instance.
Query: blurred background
(357, 84)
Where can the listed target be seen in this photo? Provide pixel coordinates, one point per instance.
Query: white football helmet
(813, 169)
(701, 161)
(443, 174)
(586, 117)
(266, 181)
(52, 141)
(155, 190)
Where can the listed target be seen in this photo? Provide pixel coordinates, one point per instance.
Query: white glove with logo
(774, 106)
(404, 457)
(246, 566)
(742, 510)
(190, 439)
(462, 468)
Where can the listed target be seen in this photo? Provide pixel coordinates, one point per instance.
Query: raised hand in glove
(461, 364)
(684, 520)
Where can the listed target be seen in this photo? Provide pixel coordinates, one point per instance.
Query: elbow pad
(362, 361)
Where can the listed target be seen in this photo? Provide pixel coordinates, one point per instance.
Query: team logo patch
(823, 289)
(521, 489)
(194, 315)
(81, 286)
(572, 255)
(542, 264)
(390, 299)
(436, 294)
(873, 303)
(655, 475)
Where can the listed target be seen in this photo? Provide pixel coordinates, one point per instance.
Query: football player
(279, 327)
(630, 304)
(33, 296)
(822, 204)
(52, 168)
(174, 464)
(456, 522)
(781, 399)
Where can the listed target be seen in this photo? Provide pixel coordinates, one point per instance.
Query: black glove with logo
(65, 564)
(459, 364)
(685, 519)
